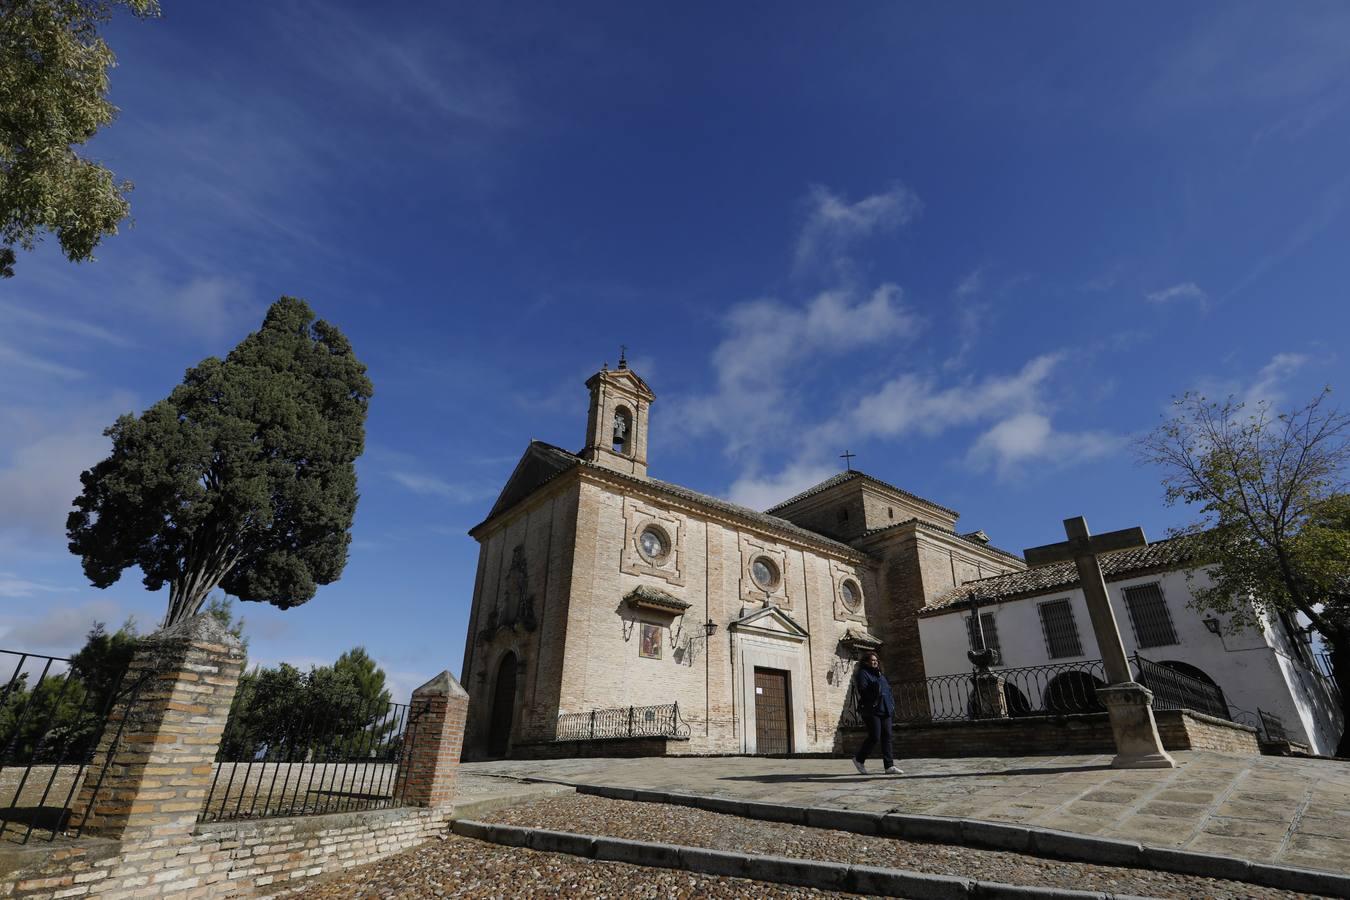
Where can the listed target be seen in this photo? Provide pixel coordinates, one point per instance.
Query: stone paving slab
(1261, 808)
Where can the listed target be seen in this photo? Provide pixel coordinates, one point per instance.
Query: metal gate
(773, 716)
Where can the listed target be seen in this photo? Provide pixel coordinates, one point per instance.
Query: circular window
(851, 594)
(764, 572)
(653, 543)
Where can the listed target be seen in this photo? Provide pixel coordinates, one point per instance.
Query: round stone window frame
(667, 545)
(851, 586)
(775, 575)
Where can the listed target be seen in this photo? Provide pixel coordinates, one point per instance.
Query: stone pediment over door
(770, 621)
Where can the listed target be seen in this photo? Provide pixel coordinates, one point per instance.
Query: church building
(611, 606)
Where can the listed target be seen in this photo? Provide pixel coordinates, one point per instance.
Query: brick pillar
(427, 771)
(163, 737)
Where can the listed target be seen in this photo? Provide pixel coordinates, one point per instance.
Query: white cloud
(769, 342)
(41, 457)
(59, 630)
(13, 356)
(1186, 290)
(913, 402)
(764, 491)
(432, 486)
(14, 587)
(13, 316)
(1027, 438)
(833, 223)
(1266, 387)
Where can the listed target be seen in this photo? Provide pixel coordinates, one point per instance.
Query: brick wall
(1186, 730)
(153, 766)
(255, 858)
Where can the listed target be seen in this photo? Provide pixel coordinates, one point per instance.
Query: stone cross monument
(1129, 703)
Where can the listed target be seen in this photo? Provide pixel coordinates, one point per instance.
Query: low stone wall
(1186, 730)
(258, 858)
(621, 747)
(1056, 735)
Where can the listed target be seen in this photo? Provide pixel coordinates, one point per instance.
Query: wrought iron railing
(622, 722)
(338, 757)
(52, 716)
(1177, 690)
(1047, 690)
(1327, 669)
(1269, 727)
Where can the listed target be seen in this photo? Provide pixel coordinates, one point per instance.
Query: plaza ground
(1291, 812)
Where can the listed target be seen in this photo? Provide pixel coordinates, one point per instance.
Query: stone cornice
(646, 488)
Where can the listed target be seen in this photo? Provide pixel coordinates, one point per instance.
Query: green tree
(53, 98)
(244, 478)
(1274, 516)
(329, 712)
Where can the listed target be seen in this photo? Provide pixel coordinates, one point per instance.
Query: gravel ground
(698, 828)
(463, 867)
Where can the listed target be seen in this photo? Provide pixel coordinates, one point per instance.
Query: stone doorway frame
(769, 638)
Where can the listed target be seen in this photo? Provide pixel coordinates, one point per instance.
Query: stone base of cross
(1128, 703)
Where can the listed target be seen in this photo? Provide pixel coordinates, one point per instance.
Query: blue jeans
(878, 728)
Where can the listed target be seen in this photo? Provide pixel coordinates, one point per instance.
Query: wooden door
(773, 716)
(503, 707)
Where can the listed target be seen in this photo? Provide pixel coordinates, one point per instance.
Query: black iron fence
(1046, 690)
(1269, 727)
(622, 722)
(337, 756)
(1177, 690)
(51, 718)
(1327, 669)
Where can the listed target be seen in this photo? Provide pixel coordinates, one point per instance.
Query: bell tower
(616, 426)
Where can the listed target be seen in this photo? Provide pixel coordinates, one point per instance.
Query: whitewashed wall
(1255, 667)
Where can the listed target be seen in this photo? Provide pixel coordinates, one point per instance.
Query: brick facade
(551, 631)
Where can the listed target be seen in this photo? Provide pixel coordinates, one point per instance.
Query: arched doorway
(503, 707)
(1073, 692)
(1187, 669)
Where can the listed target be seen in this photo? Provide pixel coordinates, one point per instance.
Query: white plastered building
(1039, 617)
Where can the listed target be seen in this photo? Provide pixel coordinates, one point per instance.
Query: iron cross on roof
(1083, 548)
(847, 457)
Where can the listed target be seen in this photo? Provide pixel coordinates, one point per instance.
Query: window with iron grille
(1150, 617)
(1061, 634)
(990, 632)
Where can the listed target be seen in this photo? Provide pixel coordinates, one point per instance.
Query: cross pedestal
(1128, 703)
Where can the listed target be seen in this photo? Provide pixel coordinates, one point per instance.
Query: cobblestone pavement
(463, 867)
(699, 828)
(1267, 809)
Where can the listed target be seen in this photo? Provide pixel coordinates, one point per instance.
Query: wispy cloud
(58, 630)
(1178, 293)
(433, 486)
(45, 451)
(13, 356)
(767, 344)
(832, 223)
(13, 317)
(1028, 438)
(1268, 385)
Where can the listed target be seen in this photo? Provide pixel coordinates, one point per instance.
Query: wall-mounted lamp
(709, 627)
(1212, 624)
(1305, 635)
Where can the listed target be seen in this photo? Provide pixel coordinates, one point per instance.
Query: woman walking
(876, 705)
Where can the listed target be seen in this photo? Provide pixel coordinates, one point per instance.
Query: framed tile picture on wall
(650, 645)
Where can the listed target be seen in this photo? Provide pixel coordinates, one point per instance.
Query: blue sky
(979, 247)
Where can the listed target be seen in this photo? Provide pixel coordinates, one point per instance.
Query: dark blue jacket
(874, 693)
